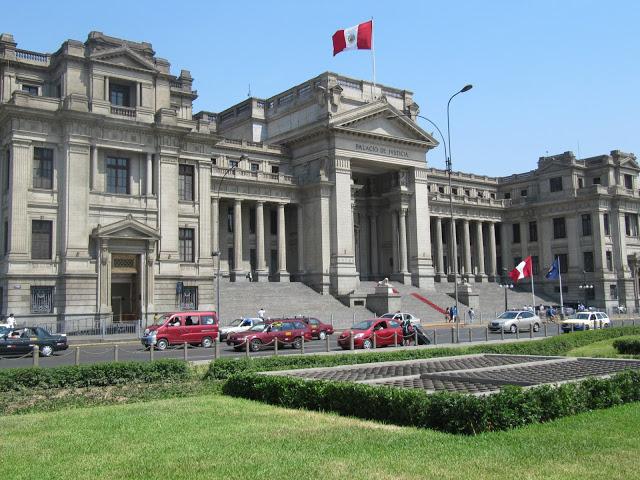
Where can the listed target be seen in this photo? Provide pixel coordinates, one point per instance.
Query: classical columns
(453, 249)
(262, 275)
(439, 250)
(505, 247)
(403, 240)
(238, 273)
(283, 274)
(149, 172)
(300, 240)
(375, 271)
(394, 241)
(466, 248)
(492, 251)
(479, 252)
(215, 225)
(94, 167)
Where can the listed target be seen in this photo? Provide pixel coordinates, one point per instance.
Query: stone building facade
(117, 198)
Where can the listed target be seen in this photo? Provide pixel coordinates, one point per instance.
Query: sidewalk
(91, 339)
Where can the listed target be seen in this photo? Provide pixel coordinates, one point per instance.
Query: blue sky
(548, 76)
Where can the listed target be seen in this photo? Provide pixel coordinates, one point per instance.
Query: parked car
(516, 320)
(195, 328)
(285, 332)
(385, 330)
(400, 316)
(586, 321)
(239, 325)
(318, 328)
(19, 341)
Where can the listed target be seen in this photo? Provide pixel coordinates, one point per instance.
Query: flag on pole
(359, 37)
(523, 270)
(554, 271)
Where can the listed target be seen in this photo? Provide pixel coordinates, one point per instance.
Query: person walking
(472, 315)
(454, 314)
(447, 315)
(11, 321)
(261, 314)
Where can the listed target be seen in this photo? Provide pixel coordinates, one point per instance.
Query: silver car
(516, 320)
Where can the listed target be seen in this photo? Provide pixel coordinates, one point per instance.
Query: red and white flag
(523, 270)
(359, 37)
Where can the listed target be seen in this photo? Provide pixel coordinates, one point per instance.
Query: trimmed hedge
(629, 346)
(95, 375)
(447, 412)
(559, 345)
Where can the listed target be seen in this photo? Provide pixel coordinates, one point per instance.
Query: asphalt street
(133, 350)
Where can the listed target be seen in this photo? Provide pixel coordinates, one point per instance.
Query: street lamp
(217, 253)
(587, 287)
(507, 286)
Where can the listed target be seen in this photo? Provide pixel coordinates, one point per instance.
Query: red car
(285, 332)
(195, 328)
(318, 328)
(385, 331)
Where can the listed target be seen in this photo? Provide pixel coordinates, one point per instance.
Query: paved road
(134, 351)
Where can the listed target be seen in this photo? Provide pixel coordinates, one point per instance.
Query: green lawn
(215, 436)
(601, 349)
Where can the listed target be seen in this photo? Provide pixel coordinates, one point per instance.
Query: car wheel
(162, 344)
(513, 328)
(46, 351)
(587, 327)
(297, 343)
(206, 342)
(606, 325)
(322, 335)
(536, 327)
(367, 344)
(255, 344)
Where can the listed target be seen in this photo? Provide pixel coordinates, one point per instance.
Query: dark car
(19, 341)
(285, 332)
(318, 328)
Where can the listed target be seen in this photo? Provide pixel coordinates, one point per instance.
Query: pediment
(129, 228)
(383, 120)
(124, 57)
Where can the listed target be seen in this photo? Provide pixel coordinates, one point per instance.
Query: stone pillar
(575, 254)
(453, 239)
(283, 274)
(419, 231)
(149, 176)
(94, 167)
(394, 241)
(439, 249)
(301, 267)
(492, 252)
(505, 248)
(404, 274)
(238, 274)
(375, 254)
(168, 208)
(19, 184)
(466, 249)
(202, 188)
(215, 225)
(106, 89)
(262, 274)
(480, 274)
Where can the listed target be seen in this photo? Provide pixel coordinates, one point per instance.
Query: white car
(400, 316)
(586, 321)
(239, 325)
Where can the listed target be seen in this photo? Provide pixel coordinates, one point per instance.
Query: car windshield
(161, 320)
(364, 325)
(258, 328)
(582, 316)
(508, 315)
(4, 330)
(388, 315)
(236, 322)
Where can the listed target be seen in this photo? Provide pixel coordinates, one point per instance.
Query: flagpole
(561, 300)
(373, 61)
(533, 293)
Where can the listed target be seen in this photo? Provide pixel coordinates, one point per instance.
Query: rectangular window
(631, 224)
(507, 195)
(30, 89)
(120, 95)
(441, 189)
(214, 161)
(609, 256)
(523, 192)
(185, 245)
(607, 230)
(255, 167)
(586, 225)
(118, 175)
(233, 164)
(43, 168)
(275, 169)
(596, 180)
(274, 222)
(492, 196)
(516, 232)
(454, 190)
(41, 299)
(252, 220)
(613, 292)
(185, 182)
(555, 184)
(467, 192)
(628, 182)
(533, 231)
(535, 264)
(563, 258)
(559, 228)
(580, 182)
(230, 219)
(41, 239)
(189, 298)
(588, 261)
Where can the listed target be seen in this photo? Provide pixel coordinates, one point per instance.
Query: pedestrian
(454, 314)
(472, 315)
(407, 331)
(447, 315)
(261, 313)
(250, 276)
(11, 321)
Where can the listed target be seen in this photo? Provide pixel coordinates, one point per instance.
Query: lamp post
(506, 286)
(587, 287)
(217, 252)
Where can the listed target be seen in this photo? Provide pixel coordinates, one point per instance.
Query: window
(559, 228)
(467, 192)
(185, 246)
(588, 261)
(535, 264)
(631, 224)
(586, 225)
(596, 180)
(613, 292)
(555, 184)
(230, 219)
(41, 299)
(441, 189)
(30, 89)
(609, 257)
(523, 192)
(255, 167)
(274, 222)
(118, 175)
(563, 259)
(120, 95)
(185, 182)
(275, 169)
(189, 300)
(454, 190)
(507, 195)
(533, 231)
(628, 182)
(580, 182)
(493, 196)
(607, 230)
(233, 164)
(252, 220)
(516, 232)
(214, 161)
(43, 168)
(41, 239)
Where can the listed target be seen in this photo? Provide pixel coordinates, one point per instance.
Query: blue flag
(554, 271)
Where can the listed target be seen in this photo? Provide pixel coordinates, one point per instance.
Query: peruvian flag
(523, 270)
(359, 37)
